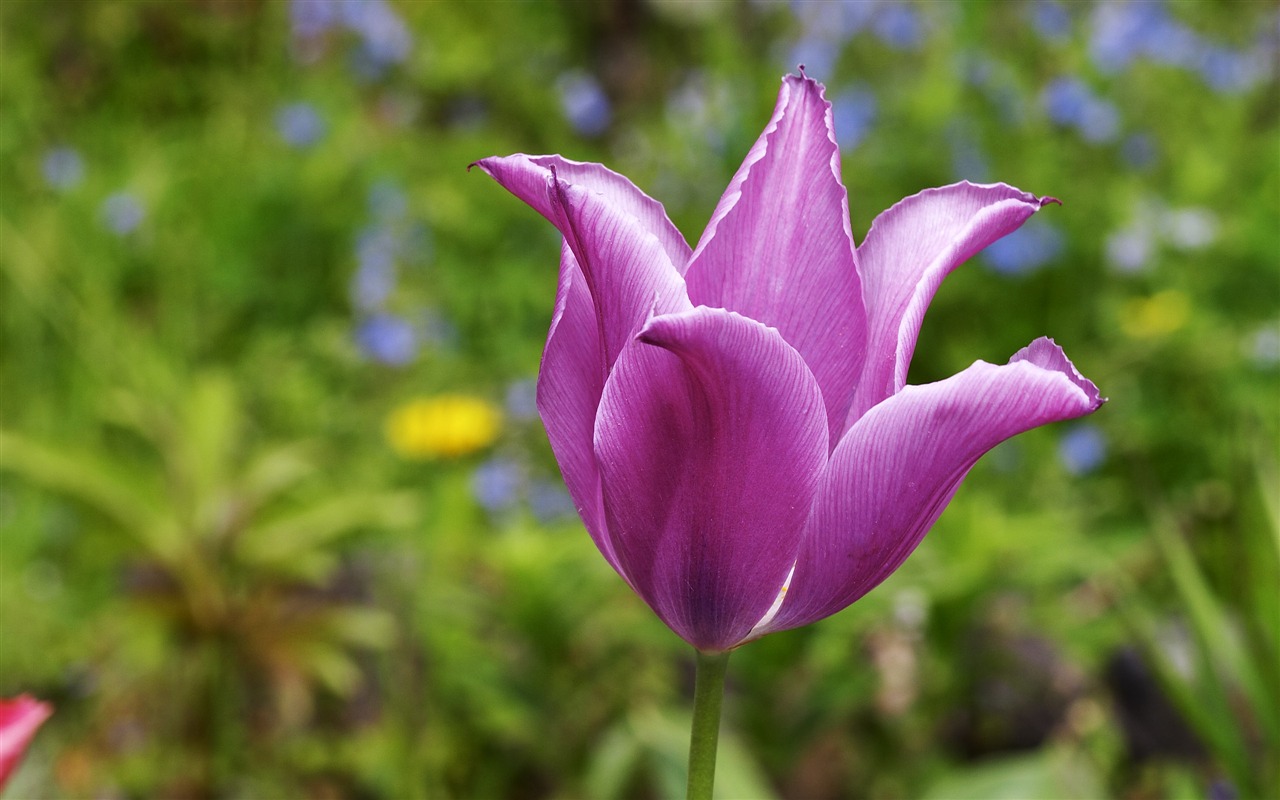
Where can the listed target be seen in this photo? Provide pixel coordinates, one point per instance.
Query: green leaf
(87, 479)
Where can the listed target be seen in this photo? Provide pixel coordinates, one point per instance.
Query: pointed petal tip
(805, 80)
(1047, 354)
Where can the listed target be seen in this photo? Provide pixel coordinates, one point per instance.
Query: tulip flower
(19, 719)
(733, 420)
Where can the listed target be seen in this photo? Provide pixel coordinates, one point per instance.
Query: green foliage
(229, 585)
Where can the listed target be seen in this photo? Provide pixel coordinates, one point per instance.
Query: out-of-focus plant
(234, 551)
(1224, 676)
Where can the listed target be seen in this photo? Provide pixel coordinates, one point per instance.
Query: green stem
(708, 691)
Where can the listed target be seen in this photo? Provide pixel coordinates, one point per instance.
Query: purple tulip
(733, 421)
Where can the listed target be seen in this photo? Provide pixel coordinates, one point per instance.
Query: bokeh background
(279, 519)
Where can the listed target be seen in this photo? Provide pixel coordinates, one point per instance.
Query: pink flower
(733, 421)
(19, 719)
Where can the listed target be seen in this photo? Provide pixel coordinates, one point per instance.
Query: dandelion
(1158, 315)
(444, 426)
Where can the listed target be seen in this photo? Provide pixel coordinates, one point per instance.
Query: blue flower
(1099, 122)
(1027, 249)
(584, 103)
(299, 124)
(496, 484)
(1232, 71)
(388, 339)
(1051, 20)
(122, 213)
(817, 53)
(898, 25)
(1122, 32)
(1082, 449)
(62, 168)
(1139, 150)
(853, 112)
(384, 38)
(550, 502)
(1065, 99)
(1070, 102)
(835, 21)
(522, 400)
(1129, 250)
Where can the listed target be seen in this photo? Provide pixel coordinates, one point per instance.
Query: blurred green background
(279, 519)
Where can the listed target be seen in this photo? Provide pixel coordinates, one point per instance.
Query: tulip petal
(629, 253)
(908, 251)
(779, 250)
(897, 468)
(569, 386)
(710, 438)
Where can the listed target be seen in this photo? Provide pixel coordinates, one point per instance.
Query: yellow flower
(444, 426)
(1160, 314)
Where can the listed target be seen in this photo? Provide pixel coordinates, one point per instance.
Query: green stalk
(708, 692)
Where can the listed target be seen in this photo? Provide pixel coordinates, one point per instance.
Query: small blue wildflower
(377, 245)
(817, 53)
(1025, 250)
(62, 168)
(522, 400)
(1121, 32)
(1082, 449)
(584, 103)
(1051, 20)
(550, 502)
(388, 339)
(1173, 43)
(1139, 150)
(1129, 250)
(299, 124)
(313, 18)
(122, 213)
(1065, 100)
(496, 484)
(372, 284)
(836, 21)
(1099, 122)
(853, 112)
(384, 38)
(898, 25)
(1230, 71)
(1070, 102)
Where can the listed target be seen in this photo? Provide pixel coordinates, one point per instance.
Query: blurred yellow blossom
(1160, 314)
(443, 426)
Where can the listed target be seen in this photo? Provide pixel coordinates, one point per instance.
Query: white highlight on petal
(758, 630)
